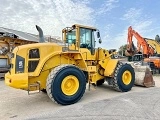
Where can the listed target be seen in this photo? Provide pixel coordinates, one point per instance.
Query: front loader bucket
(148, 79)
(143, 76)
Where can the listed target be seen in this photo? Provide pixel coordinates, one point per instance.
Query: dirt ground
(17, 104)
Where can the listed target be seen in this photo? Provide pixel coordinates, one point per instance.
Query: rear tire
(66, 84)
(124, 77)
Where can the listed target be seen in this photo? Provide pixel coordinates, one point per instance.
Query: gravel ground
(101, 103)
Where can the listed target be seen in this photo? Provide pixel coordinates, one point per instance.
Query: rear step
(34, 85)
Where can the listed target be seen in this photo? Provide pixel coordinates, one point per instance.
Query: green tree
(122, 49)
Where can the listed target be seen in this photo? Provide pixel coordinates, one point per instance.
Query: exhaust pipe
(41, 37)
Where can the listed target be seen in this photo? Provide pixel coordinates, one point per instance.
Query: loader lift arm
(141, 42)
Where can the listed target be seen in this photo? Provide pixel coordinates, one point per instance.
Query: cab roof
(83, 26)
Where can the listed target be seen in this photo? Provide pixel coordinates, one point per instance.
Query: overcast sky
(111, 17)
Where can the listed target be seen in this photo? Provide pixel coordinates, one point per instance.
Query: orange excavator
(143, 48)
(149, 49)
(141, 42)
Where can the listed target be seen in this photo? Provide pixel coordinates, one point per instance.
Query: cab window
(71, 37)
(85, 38)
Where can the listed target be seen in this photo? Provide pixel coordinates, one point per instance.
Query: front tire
(124, 77)
(66, 84)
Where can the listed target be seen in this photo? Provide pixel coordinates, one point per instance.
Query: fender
(42, 66)
(109, 66)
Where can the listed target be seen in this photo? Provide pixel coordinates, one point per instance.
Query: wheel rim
(70, 85)
(126, 77)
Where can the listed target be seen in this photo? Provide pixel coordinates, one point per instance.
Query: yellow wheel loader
(64, 70)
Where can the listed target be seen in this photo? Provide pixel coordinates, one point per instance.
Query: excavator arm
(141, 42)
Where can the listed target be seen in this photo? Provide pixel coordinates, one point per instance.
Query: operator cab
(79, 36)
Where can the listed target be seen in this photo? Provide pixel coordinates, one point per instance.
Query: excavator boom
(141, 42)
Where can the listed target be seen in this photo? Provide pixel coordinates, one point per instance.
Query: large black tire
(55, 81)
(118, 81)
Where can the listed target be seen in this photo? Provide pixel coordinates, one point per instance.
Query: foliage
(122, 49)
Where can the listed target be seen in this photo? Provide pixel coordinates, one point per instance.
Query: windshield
(86, 38)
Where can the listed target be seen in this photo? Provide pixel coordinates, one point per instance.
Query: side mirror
(100, 41)
(98, 34)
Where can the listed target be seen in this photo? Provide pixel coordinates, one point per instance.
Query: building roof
(25, 36)
(20, 34)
